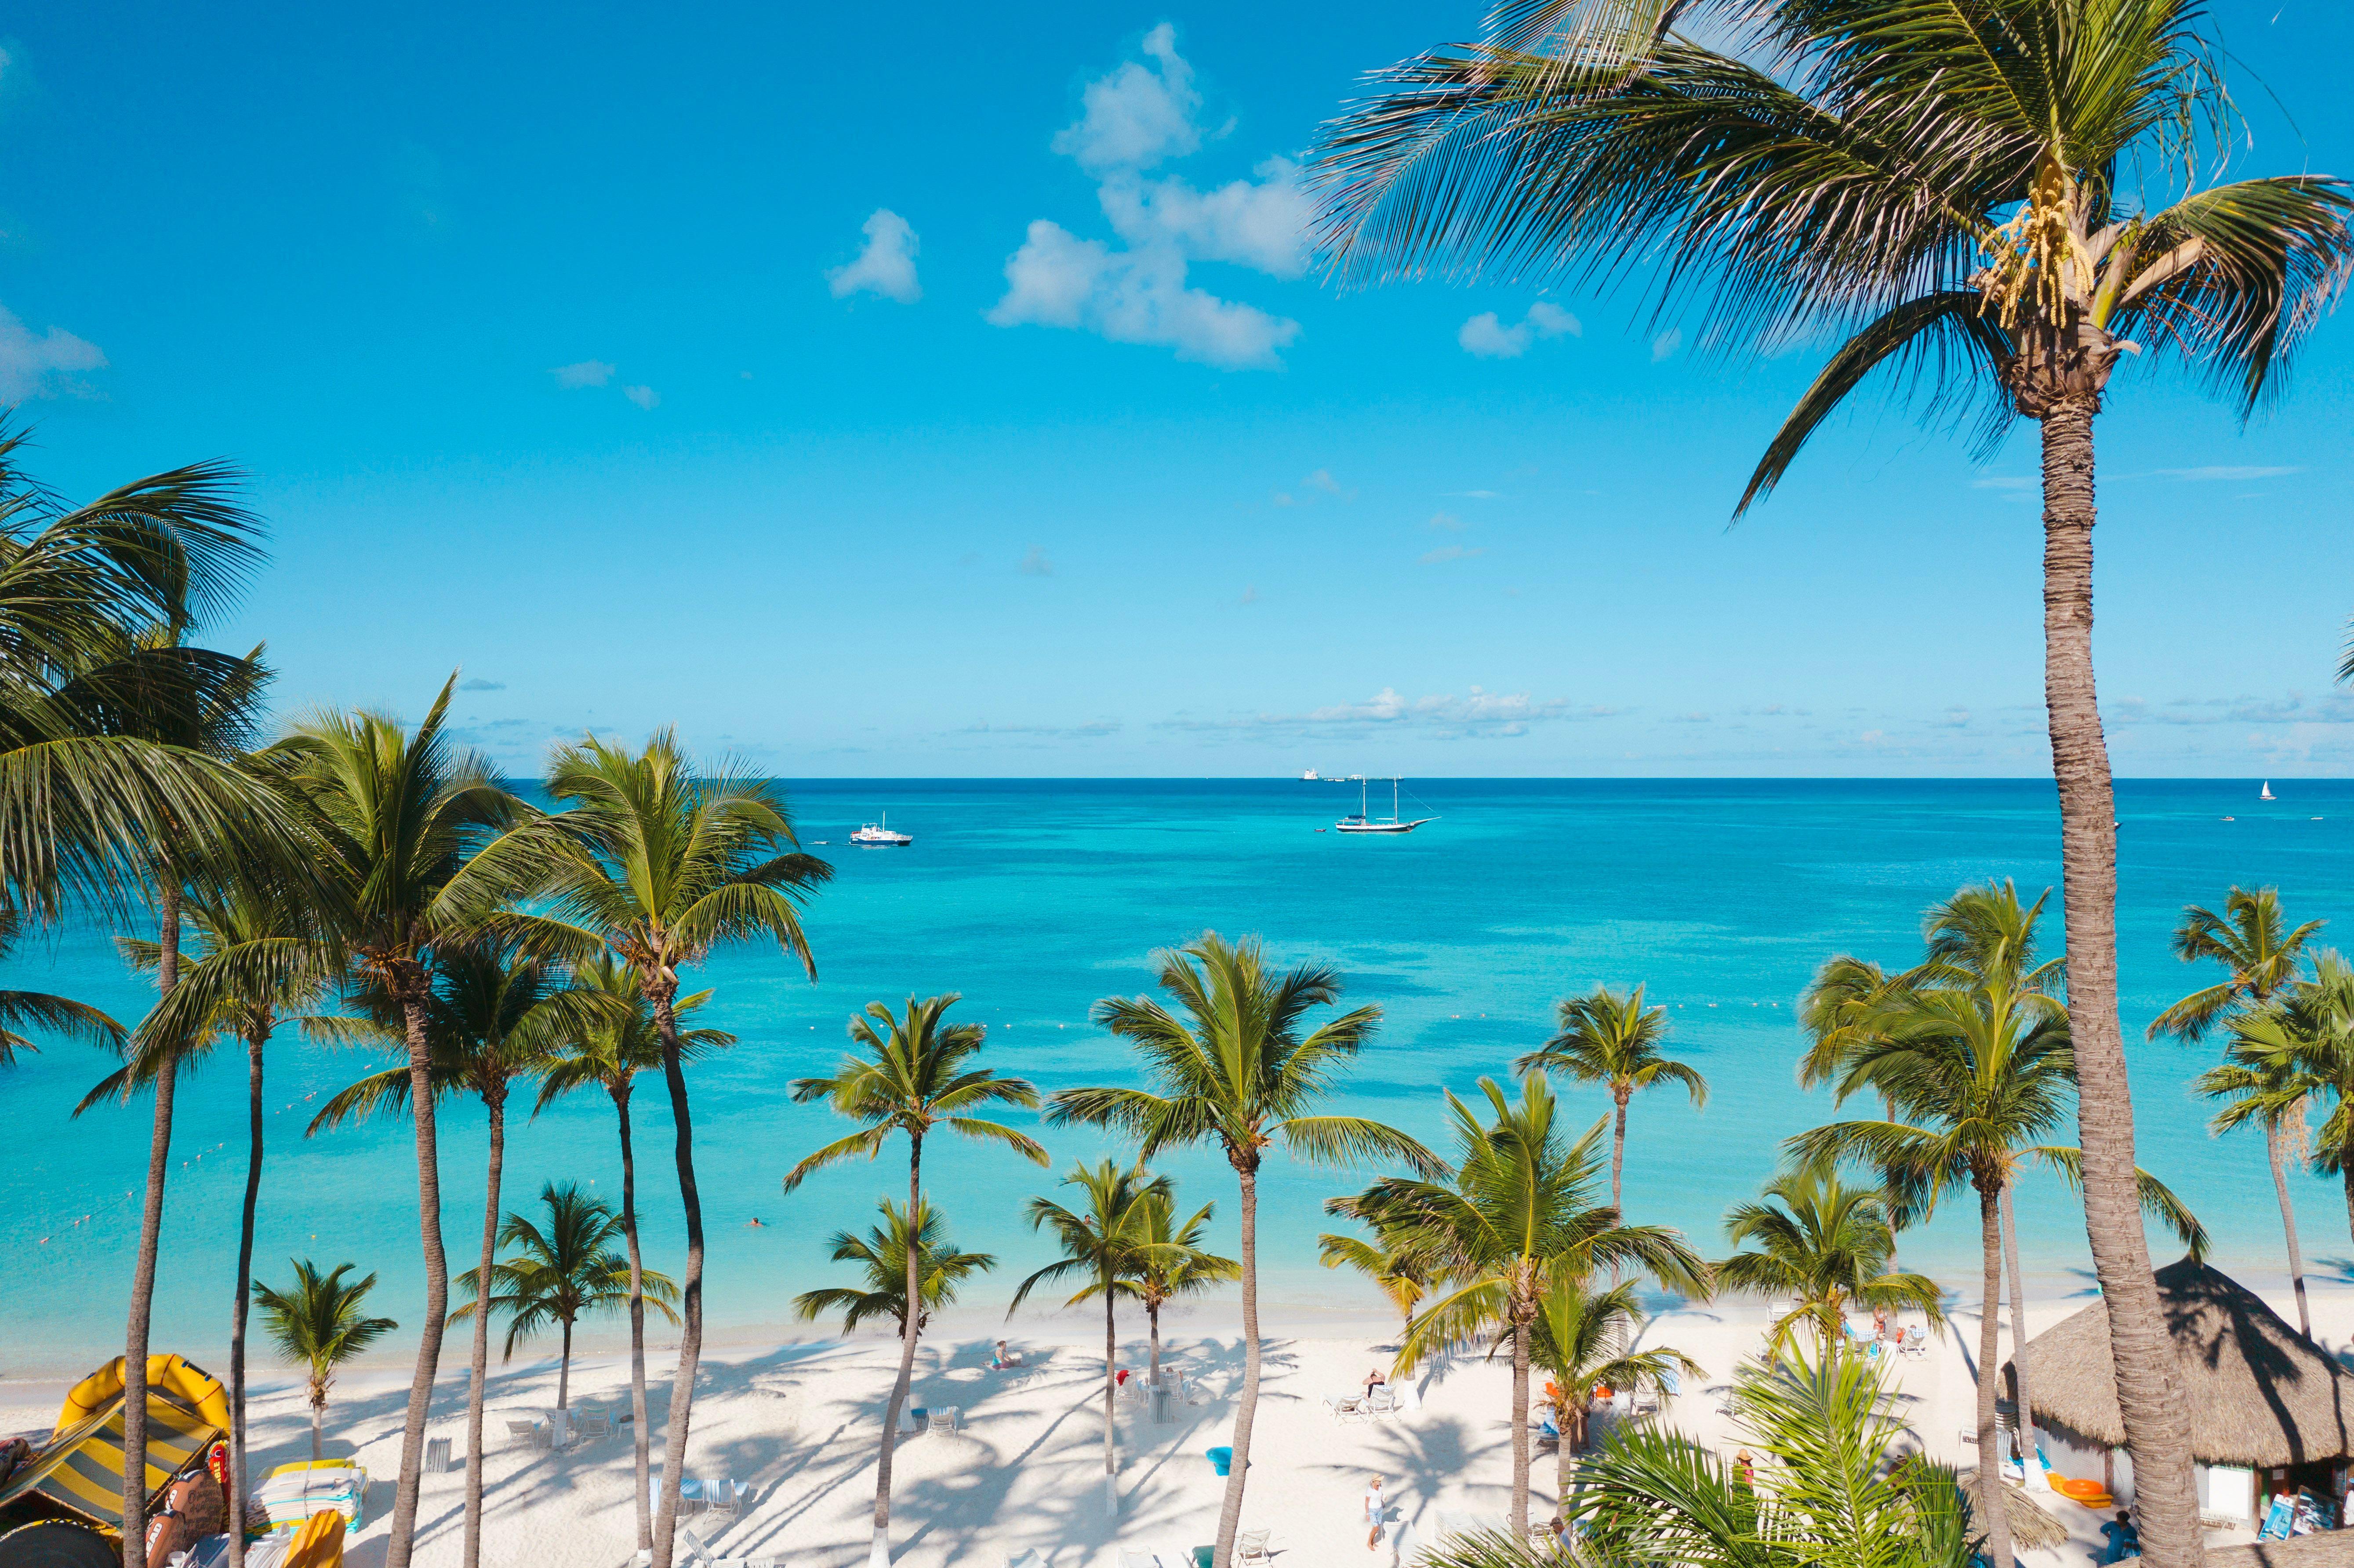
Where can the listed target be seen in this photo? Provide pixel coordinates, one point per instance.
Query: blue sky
(947, 394)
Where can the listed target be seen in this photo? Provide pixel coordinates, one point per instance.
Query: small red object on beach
(217, 1461)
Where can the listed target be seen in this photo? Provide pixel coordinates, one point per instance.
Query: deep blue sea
(1033, 899)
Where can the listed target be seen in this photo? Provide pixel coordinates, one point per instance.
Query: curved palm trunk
(564, 1371)
(496, 1104)
(690, 1338)
(1152, 1316)
(1518, 1517)
(2027, 1448)
(1230, 1509)
(1111, 1386)
(1619, 1150)
(437, 1276)
(150, 1232)
(2149, 1395)
(637, 1317)
(910, 1326)
(1990, 1509)
(2274, 1139)
(254, 1043)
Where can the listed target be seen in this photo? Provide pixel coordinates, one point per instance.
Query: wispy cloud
(884, 265)
(588, 373)
(44, 364)
(2294, 709)
(1311, 486)
(643, 397)
(1472, 494)
(1250, 595)
(2226, 472)
(1446, 523)
(1666, 343)
(1034, 563)
(476, 684)
(1092, 730)
(2003, 482)
(1452, 553)
(1486, 335)
(1482, 713)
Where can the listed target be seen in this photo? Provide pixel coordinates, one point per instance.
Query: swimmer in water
(755, 1223)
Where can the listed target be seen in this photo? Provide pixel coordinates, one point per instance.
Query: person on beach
(1005, 1358)
(1376, 1378)
(2124, 1540)
(1376, 1511)
(1879, 1322)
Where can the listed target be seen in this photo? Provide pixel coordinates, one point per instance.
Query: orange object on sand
(2091, 1494)
(318, 1544)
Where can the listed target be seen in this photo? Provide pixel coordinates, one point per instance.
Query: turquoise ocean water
(1035, 898)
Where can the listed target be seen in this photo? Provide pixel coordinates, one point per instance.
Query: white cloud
(588, 373)
(1481, 714)
(1034, 563)
(1486, 334)
(42, 365)
(1250, 594)
(1447, 522)
(1139, 114)
(1453, 553)
(1666, 343)
(885, 265)
(643, 397)
(1140, 292)
(2225, 472)
(1322, 480)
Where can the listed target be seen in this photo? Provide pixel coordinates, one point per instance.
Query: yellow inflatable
(169, 1375)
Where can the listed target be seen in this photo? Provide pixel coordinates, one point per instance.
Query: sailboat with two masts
(1363, 823)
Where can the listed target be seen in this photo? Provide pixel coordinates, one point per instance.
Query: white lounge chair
(592, 1423)
(943, 1419)
(723, 1496)
(1137, 1559)
(1250, 1549)
(1381, 1401)
(530, 1433)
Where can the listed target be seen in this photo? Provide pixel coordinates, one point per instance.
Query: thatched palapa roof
(2260, 1393)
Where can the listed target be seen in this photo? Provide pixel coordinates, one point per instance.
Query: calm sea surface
(1033, 899)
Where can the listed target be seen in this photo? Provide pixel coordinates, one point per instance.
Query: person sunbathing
(1376, 1378)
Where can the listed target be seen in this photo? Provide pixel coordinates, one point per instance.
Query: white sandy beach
(799, 1424)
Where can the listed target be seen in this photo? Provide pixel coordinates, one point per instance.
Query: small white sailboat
(872, 833)
(1363, 823)
(2267, 794)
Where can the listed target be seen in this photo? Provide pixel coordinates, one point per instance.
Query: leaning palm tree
(1173, 1263)
(1822, 1245)
(559, 1273)
(2261, 954)
(1518, 1211)
(1106, 1245)
(397, 815)
(915, 1077)
(1606, 1038)
(657, 863)
(1238, 1072)
(1989, 200)
(317, 1324)
(609, 1055)
(940, 1271)
(1584, 1341)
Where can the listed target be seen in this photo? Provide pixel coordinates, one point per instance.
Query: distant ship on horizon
(2268, 794)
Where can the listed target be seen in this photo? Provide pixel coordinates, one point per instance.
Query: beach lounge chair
(943, 1420)
(723, 1496)
(592, 1423)
(530, 1433)
(1137, 1559)
(1915, 1342)
(1344, 1407)
(1381, 1401)
(1250, 1549)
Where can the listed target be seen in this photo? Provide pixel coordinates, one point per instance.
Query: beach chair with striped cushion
(81, 1470)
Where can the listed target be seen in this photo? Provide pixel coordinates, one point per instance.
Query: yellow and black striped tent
(80, 1470)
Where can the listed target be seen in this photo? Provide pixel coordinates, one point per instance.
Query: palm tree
(2254, 943)
(496, 1015)
(1237, 1072)
(914, 1078)
(1173, 1263)
(1399, 1274)
(1824, 1244)
(2260, 1085)
(611, 1055)
(1843, 1011)
(399, 816)
(1610, 1039)
(2300, 1046)
(561, 1275)
(316, 1323)
(1518, 1212)
(940, 1271)
(1107, 1245)
(1584, 1339)
(657, 863)
(1987, 200)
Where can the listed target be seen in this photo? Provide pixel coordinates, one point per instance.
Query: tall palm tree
(1824, 1244)
(1584, 1339)
(318, 1324)
(1610, 1039)
(611, 1055)
(2260, 953)
(559, 1275)
(399, 816)
(1518, 1211)
(1173, 1263)
(940, 1271)
(1986, 199)
(915, 1077)
(657, 863)
(1106, 1245)
(496, 1014)
(259, 962)
(1238, 1072)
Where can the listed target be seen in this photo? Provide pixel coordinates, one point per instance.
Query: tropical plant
(1518, 1211)
(1986, 199)
(1606, 1038)
(915, 1077)
(656, 863)
(609, 1055)
(496, 1014)
(1106, 1245)
(940, 1271)
(318, 1324)
(1397, 1273)
(2282, 1057)
(1173, 1263)
(1584, 1341)
(1824, 1246)
(2259, 1082)
(398, 816)
(2260, 953)
(556, 1275)
(1238, 1072)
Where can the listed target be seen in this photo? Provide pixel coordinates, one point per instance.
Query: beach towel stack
(295, 1493)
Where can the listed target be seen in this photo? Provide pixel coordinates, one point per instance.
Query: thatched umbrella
(2260, 1393)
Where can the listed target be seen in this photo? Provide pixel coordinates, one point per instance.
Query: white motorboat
(872, 833)
(1363, 823)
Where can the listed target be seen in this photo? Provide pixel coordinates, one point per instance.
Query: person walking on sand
(1376, 1511)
